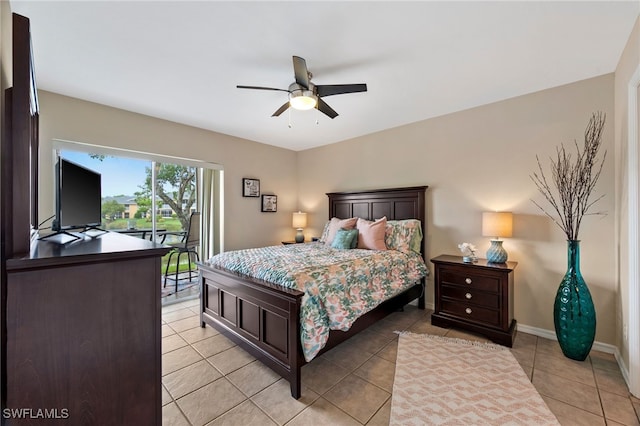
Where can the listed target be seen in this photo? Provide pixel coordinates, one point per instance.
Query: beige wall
(5, 47)
(628, 64)
(6, 71)
(481, 159)
(75, 120)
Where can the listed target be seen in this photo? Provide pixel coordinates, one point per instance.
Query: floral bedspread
(339, 285)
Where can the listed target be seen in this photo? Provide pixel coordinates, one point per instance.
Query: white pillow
(335, 224)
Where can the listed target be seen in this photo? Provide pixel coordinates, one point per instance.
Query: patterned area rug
(445, 381)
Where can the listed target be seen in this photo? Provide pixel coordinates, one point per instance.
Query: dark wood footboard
(264, 318)
(260, 317)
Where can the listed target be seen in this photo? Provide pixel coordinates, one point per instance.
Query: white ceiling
(181, 60)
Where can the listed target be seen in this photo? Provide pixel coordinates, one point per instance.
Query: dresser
(477, 297)
(83, 335)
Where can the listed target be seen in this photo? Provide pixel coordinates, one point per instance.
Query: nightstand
(289, 242)
(475, 296)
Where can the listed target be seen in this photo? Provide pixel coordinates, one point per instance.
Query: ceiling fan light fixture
(302, 100)
(304, 95)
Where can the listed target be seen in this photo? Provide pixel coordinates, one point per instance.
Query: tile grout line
(603, 417)
(595, 380)
(222, 376)
(380, 408)
(183, 413)
(637, 410)
(352, 371)
(330, 403)
(175, 401)
(535, 354)
(376, 354)
(390, 398)
(260, 408)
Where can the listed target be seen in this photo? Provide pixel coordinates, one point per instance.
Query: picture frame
(250, 187)
(269, 203)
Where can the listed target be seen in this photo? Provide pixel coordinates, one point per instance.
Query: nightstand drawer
(470, 295)
(470, 312)
(479, 282)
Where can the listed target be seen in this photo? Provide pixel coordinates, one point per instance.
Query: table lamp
(497, 224)
(299, 222)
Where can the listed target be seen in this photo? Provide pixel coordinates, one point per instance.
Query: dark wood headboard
(394, 203)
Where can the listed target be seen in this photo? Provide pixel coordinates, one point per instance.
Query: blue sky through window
(120, 176)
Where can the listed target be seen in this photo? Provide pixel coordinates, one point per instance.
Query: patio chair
(189, 244)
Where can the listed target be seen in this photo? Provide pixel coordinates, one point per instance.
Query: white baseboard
(598, 346)
(623, 368)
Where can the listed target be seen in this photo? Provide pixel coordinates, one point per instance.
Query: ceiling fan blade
(261, 88)
(338, 89)
(326, 109)
(282, 109)
(301, 72)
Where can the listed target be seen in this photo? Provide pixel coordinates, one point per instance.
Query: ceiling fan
(304, 95)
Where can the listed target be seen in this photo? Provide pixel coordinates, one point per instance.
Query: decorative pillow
(371, 234)
(325, 232)
(404, 235)
(345, 239)
(336, 224)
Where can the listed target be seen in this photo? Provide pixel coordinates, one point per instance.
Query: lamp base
(299, 236)
(496, 253)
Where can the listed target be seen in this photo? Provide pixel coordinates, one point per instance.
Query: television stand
(67, 236)
(61, 237)
(94, 232)
(82, 331)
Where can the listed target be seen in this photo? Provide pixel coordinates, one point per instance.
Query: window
(205, 194)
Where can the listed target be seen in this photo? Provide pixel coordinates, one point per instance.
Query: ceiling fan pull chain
(290, 125)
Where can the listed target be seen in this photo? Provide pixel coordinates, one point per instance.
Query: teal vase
(574, 315)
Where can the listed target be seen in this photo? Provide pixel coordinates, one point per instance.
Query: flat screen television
(78, 197)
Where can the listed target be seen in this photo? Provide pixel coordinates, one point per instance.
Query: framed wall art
(269, 203)
(250, 187)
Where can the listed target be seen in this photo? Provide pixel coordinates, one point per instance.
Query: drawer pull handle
(468, 310)
(467, 280)
(468, 296)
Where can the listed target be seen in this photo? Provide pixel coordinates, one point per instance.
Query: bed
(263, 316)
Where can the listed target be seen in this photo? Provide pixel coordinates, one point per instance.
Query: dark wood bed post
(264, 318)
(295, 377)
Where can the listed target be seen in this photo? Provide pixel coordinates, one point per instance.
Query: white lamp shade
(497, 224)
(302, 100)
(299, 220)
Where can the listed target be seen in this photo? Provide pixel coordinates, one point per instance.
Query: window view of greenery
(126, 197)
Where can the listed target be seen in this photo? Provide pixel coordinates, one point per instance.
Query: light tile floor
(208, 380)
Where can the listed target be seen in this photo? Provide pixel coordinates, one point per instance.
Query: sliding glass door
(154, 196)
(133, 189)
(175, 194)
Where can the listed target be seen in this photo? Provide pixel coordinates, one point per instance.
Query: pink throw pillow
(371, 234)
(335, 224)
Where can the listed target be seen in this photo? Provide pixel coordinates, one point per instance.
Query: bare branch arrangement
(572, 182)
